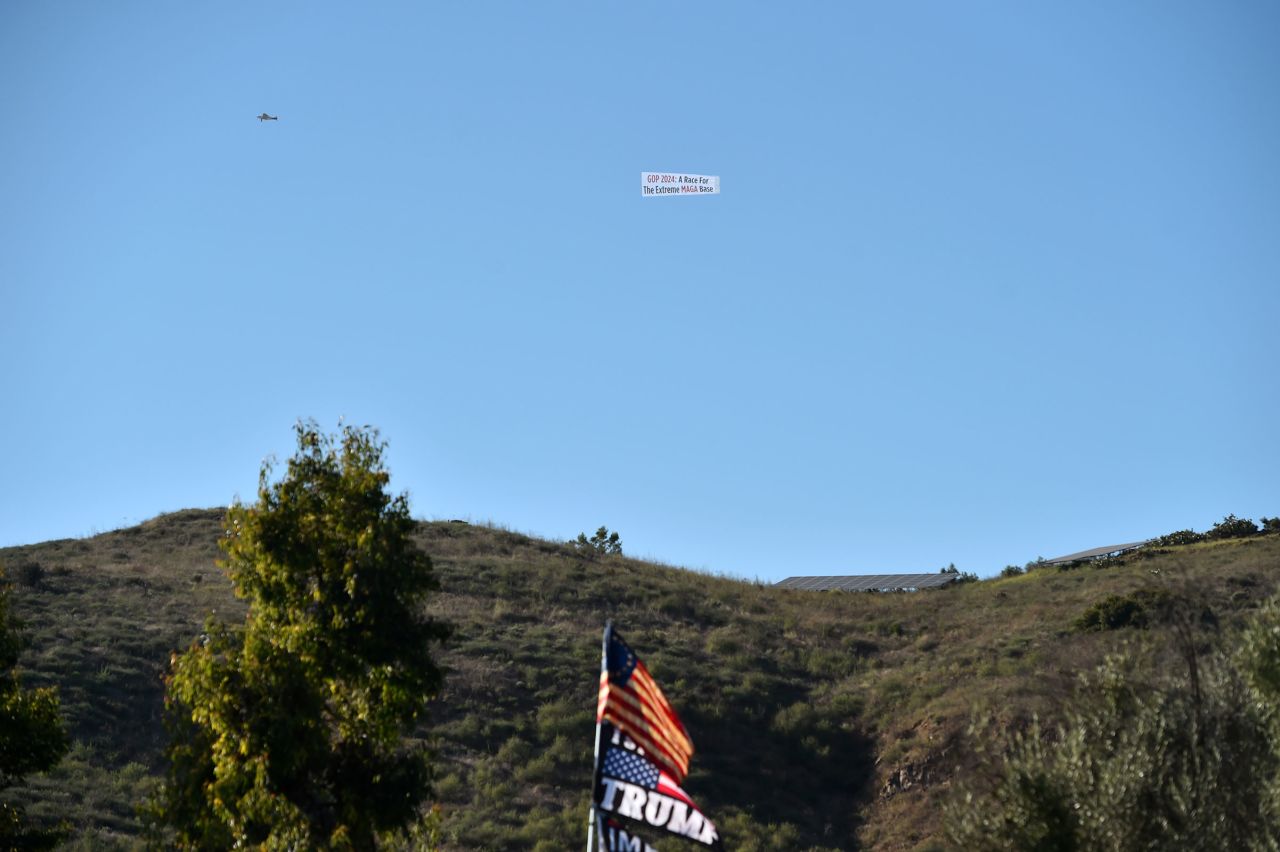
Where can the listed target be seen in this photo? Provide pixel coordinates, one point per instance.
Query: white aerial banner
(669, 183)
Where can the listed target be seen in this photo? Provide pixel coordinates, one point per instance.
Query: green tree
(32, 736)
(961, 576)
(603, 543)
(291, 730)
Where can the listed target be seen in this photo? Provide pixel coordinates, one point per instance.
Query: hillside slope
(822, 720)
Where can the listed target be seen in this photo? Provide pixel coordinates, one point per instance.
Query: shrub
(1180, 537)
(1259, 659)
(1139, 609)
(1232, 527)
(603, 543)
(1012, 571)
(1183, 764)
(1270, 525)
(29, 574)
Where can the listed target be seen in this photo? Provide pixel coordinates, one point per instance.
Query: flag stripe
(675, 741)
(656, 709)
(654, 750)
(643, 683)
(648, 685)
(631, 699)
(638, 731)
(668, 786)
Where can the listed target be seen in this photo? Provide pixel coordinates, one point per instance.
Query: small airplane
(265, 117)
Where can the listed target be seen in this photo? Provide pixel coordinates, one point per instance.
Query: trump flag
(643, 752)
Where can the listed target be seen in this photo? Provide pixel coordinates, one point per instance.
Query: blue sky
(985, 282)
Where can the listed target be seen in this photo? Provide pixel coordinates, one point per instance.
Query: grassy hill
(822, 720)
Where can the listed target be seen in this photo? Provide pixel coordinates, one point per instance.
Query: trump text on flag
(653, 184)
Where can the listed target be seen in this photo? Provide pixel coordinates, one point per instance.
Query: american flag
(631, 700)
(629, 766)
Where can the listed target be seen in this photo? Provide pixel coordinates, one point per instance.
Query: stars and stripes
(629, 766)
(632, 701)
(642, 757)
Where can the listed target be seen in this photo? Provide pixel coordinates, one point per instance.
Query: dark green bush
(1139, 609)
(29, 574)
(1232, 527)
(1174, 539)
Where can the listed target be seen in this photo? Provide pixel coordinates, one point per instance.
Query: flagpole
(595, 760)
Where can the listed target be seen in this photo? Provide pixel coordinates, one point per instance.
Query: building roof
(868, 582)
(1109, 550)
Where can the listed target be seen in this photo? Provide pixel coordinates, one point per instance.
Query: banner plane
(654, 184)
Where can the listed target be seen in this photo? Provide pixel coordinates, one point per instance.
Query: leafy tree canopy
(32, 737)
(289, 731)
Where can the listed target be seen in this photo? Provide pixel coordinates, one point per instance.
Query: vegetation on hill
(1162, 747)
(821, 720)
(32, 738)
(1228, 527)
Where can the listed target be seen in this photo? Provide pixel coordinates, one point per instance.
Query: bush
(1232, 527)
(1260, 654)
(1180, 537)
(1139, 609)
(1012, 571)
(1270, 525)
(1183, 764)
(29, 574)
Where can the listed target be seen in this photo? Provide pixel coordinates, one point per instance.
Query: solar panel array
(1094, 553)
(868, 582)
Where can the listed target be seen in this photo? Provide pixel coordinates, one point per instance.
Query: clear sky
(986, 281)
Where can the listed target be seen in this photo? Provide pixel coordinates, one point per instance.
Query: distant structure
(1096, 553)
(868, 582)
